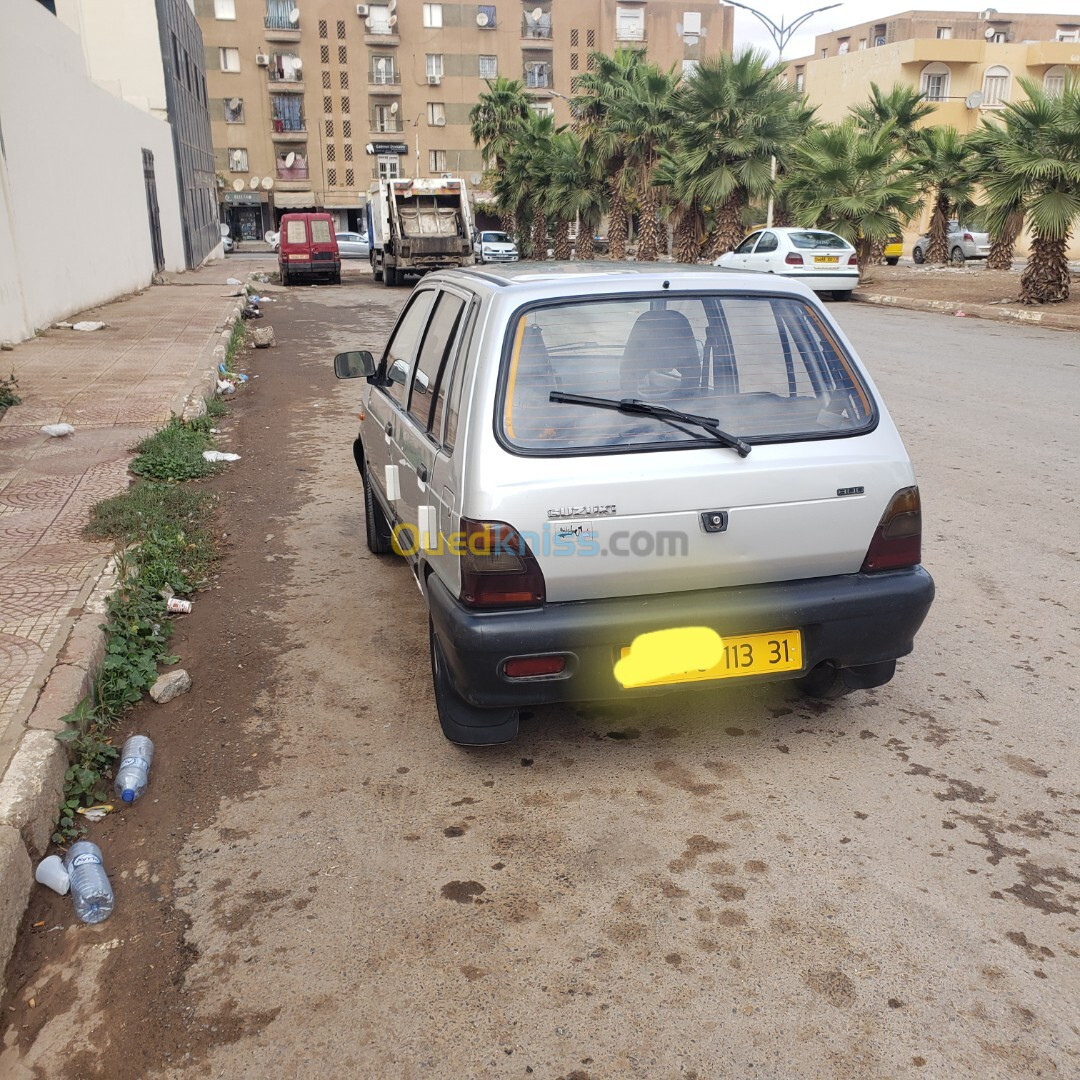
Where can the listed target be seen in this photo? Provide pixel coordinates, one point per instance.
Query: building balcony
(384, 84)
(288, 84)
(541, 35)
(939, 50)
(630, 35)
(1052, 53)
(386, 128)
(382, 41)
(295, 134)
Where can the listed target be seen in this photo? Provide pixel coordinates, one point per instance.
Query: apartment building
(311, 100)
(966, 62)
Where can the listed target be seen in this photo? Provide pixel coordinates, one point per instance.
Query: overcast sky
(748, 31)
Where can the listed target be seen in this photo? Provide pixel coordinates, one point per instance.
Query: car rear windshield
(765, 368)
(810, 240)
(296, 231)
(320, 231)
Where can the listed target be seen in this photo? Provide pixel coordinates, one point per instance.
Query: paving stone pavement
(114, 386)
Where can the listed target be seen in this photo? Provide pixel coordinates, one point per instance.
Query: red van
(308, 249)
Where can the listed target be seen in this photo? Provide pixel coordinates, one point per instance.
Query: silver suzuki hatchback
(616, 481)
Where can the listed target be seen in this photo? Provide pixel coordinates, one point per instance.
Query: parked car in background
(227, 243)
(492, 246)
(539, 442)
(964, 243)
(353, 245)
(894, 249)
(273, 239)
(308, 249)
(821, 260)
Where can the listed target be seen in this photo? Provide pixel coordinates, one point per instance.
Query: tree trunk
(877, 252)
(539, 235)
(561, 246)
(1001, 247)
(585, 246)
(688, 235)
(617, 221)
(728, 230)
(649, 238)
(521, 235)
(937, 251)
(863, 252)
(780, 216)
(1045, 279)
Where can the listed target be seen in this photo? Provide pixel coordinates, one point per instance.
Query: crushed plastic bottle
(91, 892)
(133, 773)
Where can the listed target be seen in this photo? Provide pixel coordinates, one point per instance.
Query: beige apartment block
(312, 100)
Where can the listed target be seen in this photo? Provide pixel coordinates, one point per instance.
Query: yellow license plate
(748, 654)
(826, 258)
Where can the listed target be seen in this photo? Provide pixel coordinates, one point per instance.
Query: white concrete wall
(121, 48)
(71, 195)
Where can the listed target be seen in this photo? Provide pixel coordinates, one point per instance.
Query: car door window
(426, 380)
(766, 244)
(747, 245)
(401, 351)
(457, 379)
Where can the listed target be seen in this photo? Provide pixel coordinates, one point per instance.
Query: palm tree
(574, 195)
(1033, 166)
(599, 89)
(902, 107)
(495, 123)
(643, 119)
(943, 162)
(738, 114)
(849, 181)
(684, 212)
(1004, 223)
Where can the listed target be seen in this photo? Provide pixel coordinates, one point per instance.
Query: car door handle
(389, 428)
(422, 473)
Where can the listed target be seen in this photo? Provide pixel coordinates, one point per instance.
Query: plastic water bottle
(90, 889)
(134, 770)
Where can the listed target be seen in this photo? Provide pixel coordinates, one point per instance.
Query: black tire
(284, 277)
(842, 294)
(336, 279)
(892, 260)
(824, 683)
(461, 723)
(379, 536)
(957, 255)
(390, 276)
(376, 272)
(918, 255)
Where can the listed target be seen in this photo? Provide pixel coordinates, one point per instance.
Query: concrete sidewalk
(114, 386)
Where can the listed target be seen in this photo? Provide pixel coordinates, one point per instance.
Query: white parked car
(611, 483)
(494, 247)
(273, 239)
(821, 260)
(964, 243)
(352, 245)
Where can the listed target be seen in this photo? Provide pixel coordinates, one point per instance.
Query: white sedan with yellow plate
(821, 260)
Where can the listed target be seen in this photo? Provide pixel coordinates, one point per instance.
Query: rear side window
(296, 232)
(427, 379)
(765, 368)
(320, 231)
(403, 344)
(810, 240)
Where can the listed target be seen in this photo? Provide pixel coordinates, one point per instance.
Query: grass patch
(8, 397)
(175, 452)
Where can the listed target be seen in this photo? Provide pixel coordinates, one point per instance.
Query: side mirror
(354, 365)
(420, 383)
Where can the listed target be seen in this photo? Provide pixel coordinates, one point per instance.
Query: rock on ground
(171, 684)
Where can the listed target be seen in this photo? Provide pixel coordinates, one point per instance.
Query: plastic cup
(50, 872)
(175, 604)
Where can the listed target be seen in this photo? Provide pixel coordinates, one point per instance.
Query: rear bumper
(320, 268)
(828, 282)
(853, 620)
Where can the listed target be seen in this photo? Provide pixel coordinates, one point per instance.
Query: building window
(331, 152)
(345, 103)
(286, 67)
(346, 133)
(224, 9)
(292, 164)
(327, 104)
(688, 68)
(862, 44)
(326, 80)
(944, 33)
(574, 61)
(350, 178)
(378, 19)
(436, 160)
(629, 24)
(324, 54)
(389, 167)
(434, 66)
(590, 39)
(287, 112)
(282, 15)
(935, 82)
(328, 127)
(343, 79)
(331, 177)
(591, 62)
(383, 71)
(341, 55)
(691, 24)
(1068, 35)
(536, 23)
(996, 86)
(436, 114)
(433, 16)
(489, 67)
(843, 47)
(824, 53)
(537, 74)
(384, 118)
(574, 38)
(341, 30)
(229, 59)
(485, 16)
(1054, 80)
(348, 148)
(543, 108)
(322, 29)
(800, 81)
(238, 160)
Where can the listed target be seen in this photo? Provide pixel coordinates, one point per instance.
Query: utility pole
(781, 36)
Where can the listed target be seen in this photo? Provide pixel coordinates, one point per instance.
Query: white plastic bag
(55, 431)
(217, 455)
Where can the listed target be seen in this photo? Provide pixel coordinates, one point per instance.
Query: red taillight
(498, 569)
(969, 238)
(898, 538)
(853, 259)
(793, 258)
(527, 667)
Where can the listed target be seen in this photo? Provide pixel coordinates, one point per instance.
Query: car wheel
(842, 294)
(379, 536)
(957, 255)
(336, 279)
(918, 255)
(285, 277)
(892, 260)
(461, 723)
(390, 276)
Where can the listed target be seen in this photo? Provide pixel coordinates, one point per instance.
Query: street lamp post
(781, 36)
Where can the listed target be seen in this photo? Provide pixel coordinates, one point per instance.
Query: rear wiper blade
(635, 407)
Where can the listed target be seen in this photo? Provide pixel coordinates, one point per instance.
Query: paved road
(736, 886)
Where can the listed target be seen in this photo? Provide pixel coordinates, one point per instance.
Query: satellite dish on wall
(536, 13)
(290, 159)
(392, 6)
(234, 103)
(238, 184)
(294, 16)
(974, 99)
(254, 183)
(394, 108)
(481, 18)
(989, 32)
(392, 21)
(267, 182)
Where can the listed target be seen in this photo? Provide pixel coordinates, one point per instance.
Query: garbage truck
(418, 225)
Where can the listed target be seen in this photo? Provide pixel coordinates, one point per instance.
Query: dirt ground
(698, 886)
(970, 284)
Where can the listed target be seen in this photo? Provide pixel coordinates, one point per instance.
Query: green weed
(174, 453)
(8, 397)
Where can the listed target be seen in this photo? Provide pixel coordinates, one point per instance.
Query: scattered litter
(178, 606)
(91, 892)
(133, 772)
(233, 281)
(217, 455)
(215, 431)
(56, 431)
(41, 923)
(171, 684)
(251, 312)
(225, 387)
(95, 813)
(1003, 300)
(263, 337)
(88, 326)
(32, 1003)
(267, 300)
(51, 873)
(62, 326)
(961, 314)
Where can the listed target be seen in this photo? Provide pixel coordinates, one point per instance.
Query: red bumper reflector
(524, 667)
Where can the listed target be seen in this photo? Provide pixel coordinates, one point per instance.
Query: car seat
(661, 342)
